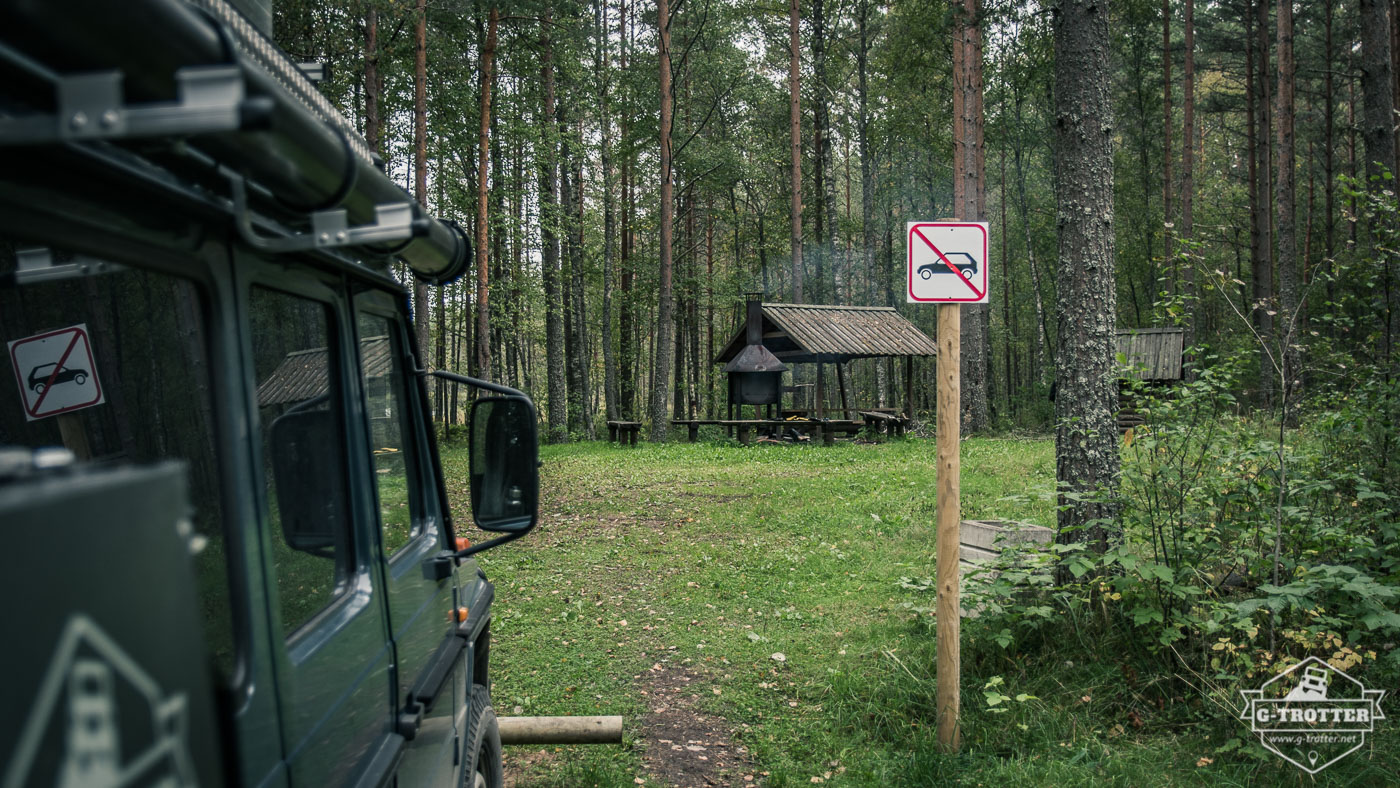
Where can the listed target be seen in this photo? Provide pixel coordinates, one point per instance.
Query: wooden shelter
(303, 375)
(1153, 354)
(824, 334)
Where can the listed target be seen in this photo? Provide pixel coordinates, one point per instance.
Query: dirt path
(686, 747)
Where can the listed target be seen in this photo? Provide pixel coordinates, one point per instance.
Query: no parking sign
(55, 372)
(947, 262)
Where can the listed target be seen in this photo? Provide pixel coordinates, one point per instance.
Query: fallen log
(561, 730)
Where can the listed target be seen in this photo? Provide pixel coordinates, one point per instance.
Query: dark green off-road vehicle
(228, 552)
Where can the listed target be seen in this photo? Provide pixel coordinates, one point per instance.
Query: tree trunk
(603, 67)
(1251, 138)
(1377, 130)
(577, 340)
(1042, 340)
(1166, 133)
(1378, 103)
(483, 284)
(660, 423)
(794, 106)
(1086, 431)
(558, 413)
(1284, 196)
(709, 315)
(627, 346)
(420, 158)
(1007, 288)
(374, 84)
(1186, 269)
(826, 175)
(1263, 263)
(1329, 160)
(969, 202)
(867, 183)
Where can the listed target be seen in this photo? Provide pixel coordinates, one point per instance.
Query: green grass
(714, 557)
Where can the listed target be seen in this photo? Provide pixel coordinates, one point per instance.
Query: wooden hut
(833, 335)
(1153, 355)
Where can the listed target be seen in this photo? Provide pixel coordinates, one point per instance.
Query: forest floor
(745, 610)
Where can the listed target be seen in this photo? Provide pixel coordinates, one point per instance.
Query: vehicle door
(409, 523)
(333, 658)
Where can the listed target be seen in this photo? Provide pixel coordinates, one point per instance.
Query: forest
(633, 172)
(799, 140)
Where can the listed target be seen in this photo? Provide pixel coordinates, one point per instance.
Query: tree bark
(420, 158)
(557, 407)
(1263, 263)
(1329, 122)
(627, 346)
(969, 202)
(826, 176)
(603, 67)
(1039, 359)
(867, 181)
(1378, 103)
(660, 423)
(576, 341)
(1086, 430)
(1166, 132)
(374, 84)
(795, 118)
(1284, 196)
(483, 284)
(1186, 269)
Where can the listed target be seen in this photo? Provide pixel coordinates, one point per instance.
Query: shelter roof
(805, 333)
(1152, 353)
(302, 375)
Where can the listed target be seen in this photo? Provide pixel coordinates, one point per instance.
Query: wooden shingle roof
(302, 375)
(1152, 353)
(804, 333)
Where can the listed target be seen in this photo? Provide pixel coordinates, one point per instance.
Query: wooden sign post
(948, 673)
(948, 267)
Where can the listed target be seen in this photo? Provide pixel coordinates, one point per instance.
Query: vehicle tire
(80, 378)
(39, 388)
(485, 768)
(925, 273)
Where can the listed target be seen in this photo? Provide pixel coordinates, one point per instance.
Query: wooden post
(909, 386)
(75, 435)
(841, 386)
(947, 692)
(819, 409)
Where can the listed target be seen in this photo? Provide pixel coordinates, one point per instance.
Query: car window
(297, 373)
(115, 366)
(381, 366)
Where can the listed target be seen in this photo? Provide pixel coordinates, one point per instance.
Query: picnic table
(627, 429)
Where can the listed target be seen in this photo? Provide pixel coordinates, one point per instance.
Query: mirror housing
(504, 462)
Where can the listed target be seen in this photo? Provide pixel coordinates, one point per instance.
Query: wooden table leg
(743, 435)
(694, 432)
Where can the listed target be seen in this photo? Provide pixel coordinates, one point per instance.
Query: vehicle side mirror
(505, 480)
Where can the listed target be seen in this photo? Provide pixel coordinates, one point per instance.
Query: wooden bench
(627, 429)
(745, 428)
(832, 427)
(693, 426)
(889, 423)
